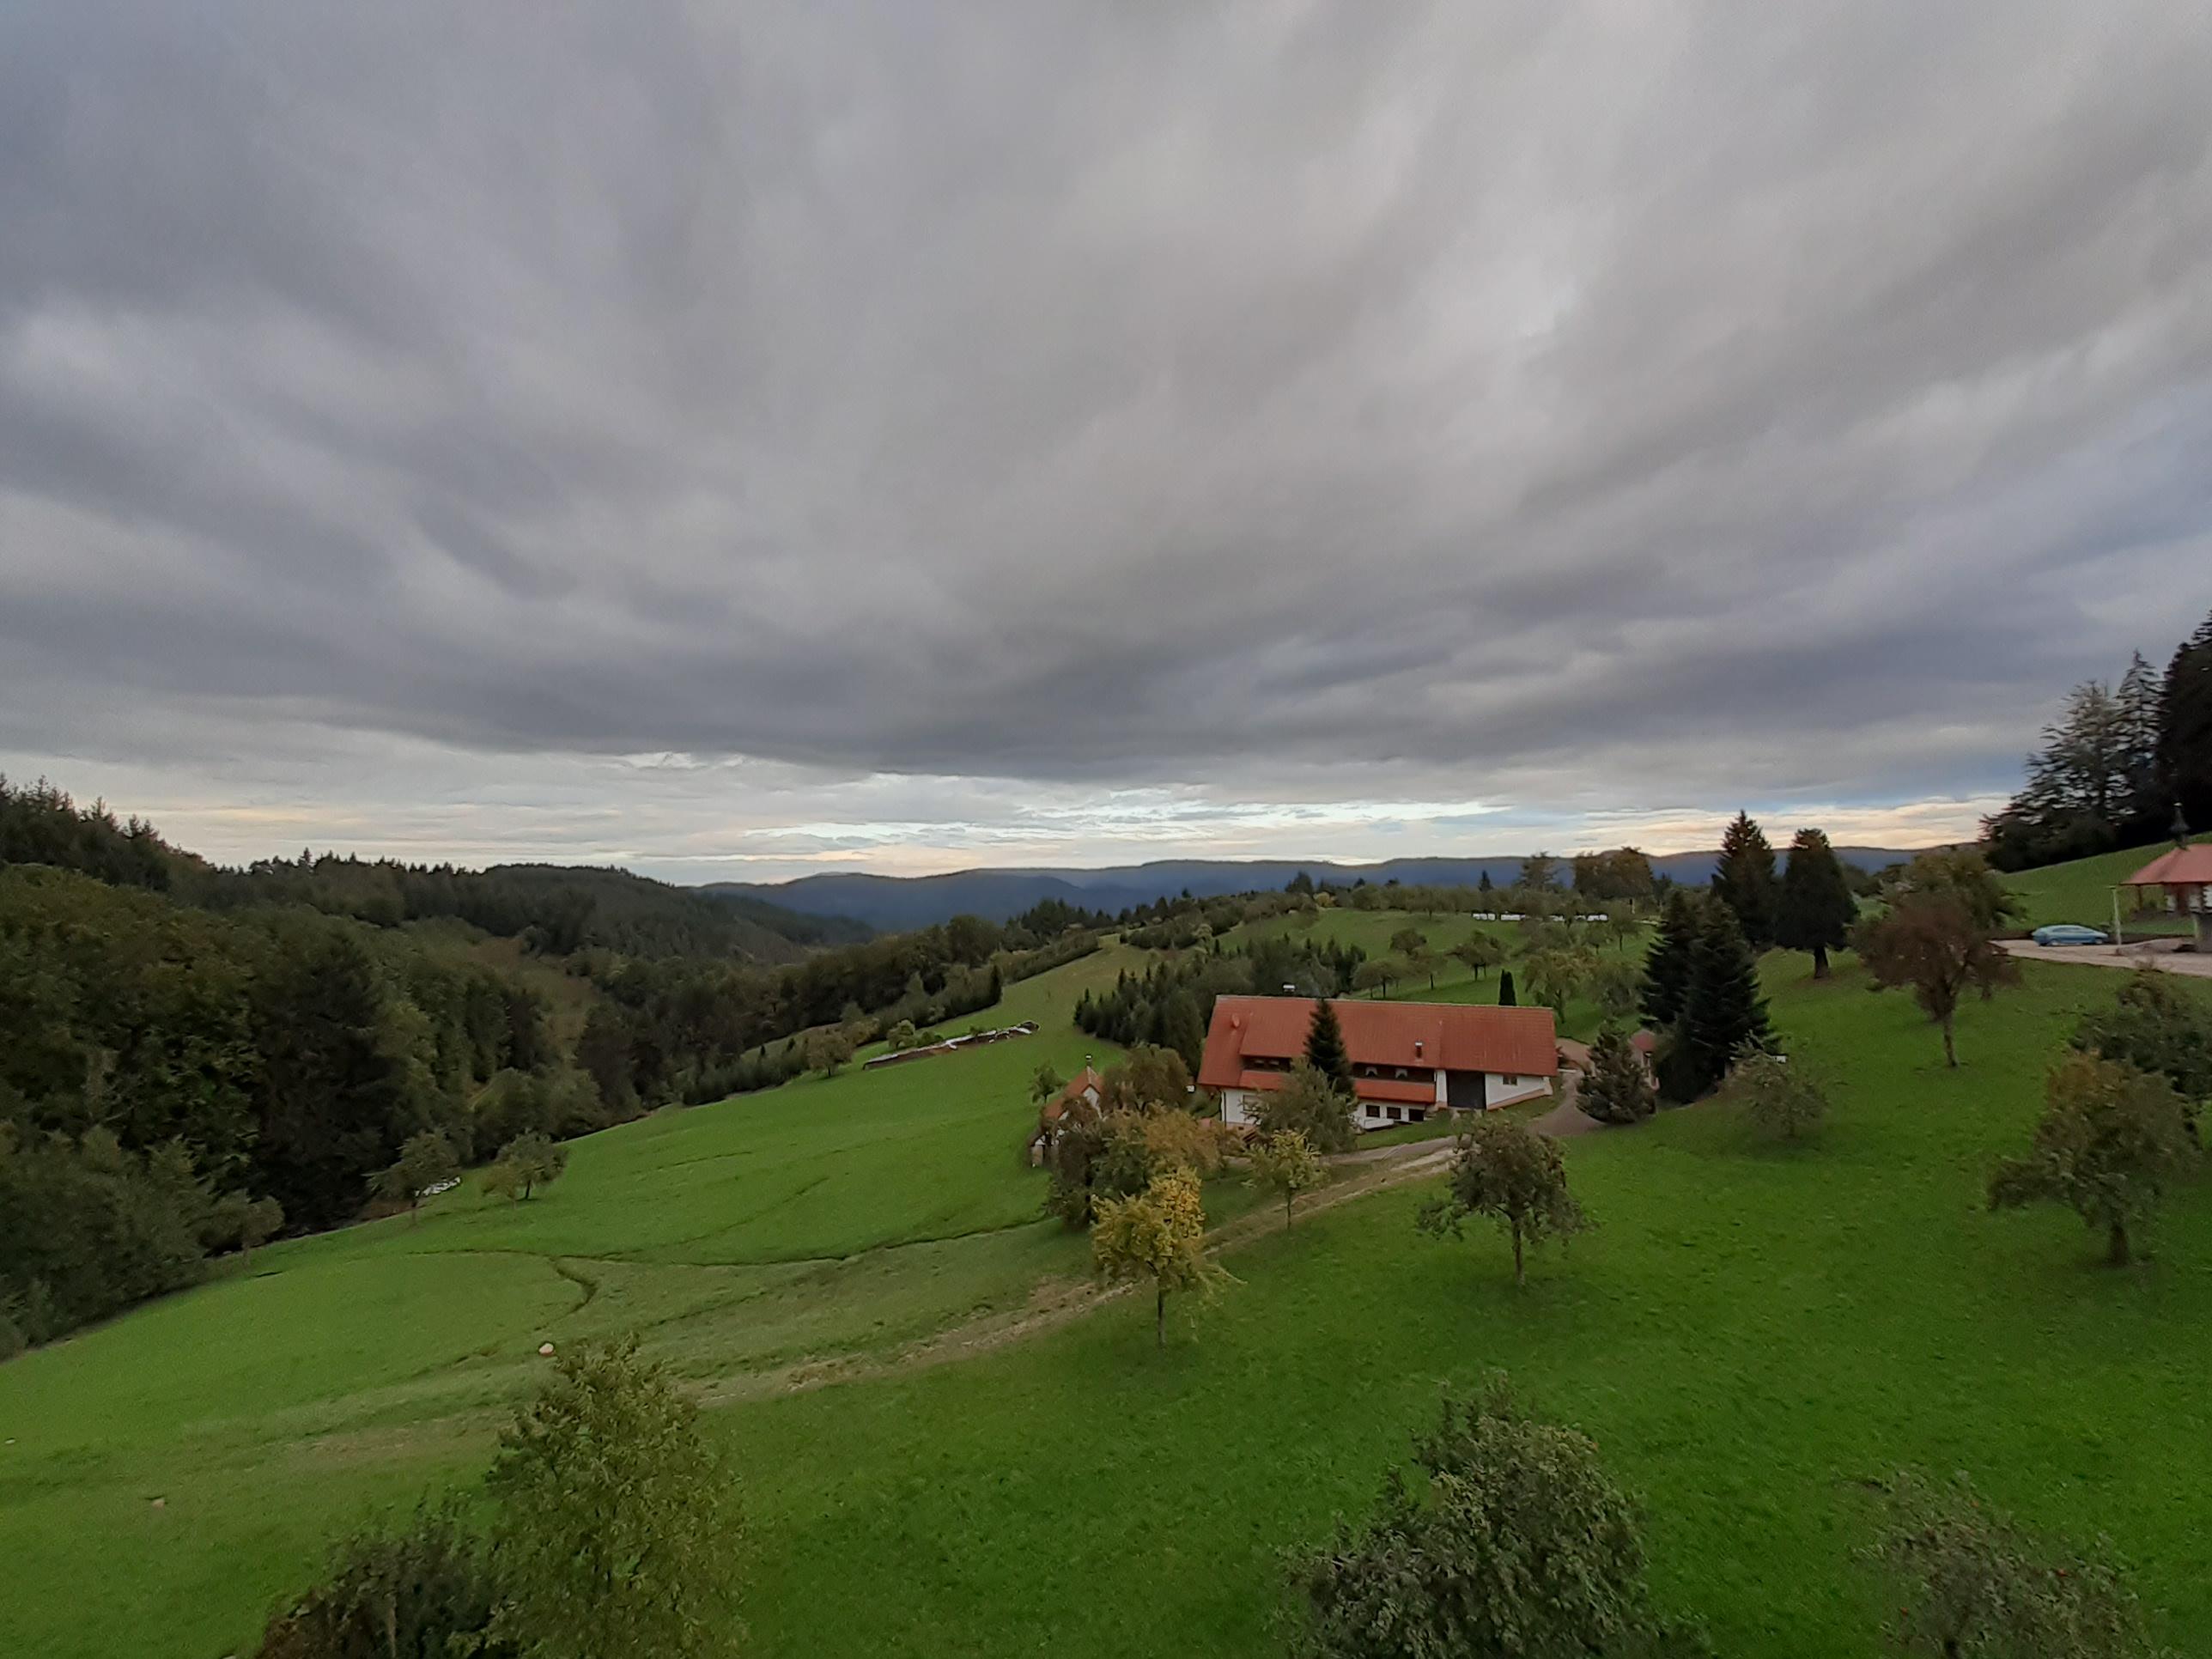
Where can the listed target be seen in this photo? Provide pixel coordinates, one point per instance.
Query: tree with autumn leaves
(1159, 1234)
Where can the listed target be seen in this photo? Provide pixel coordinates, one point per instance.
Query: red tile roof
(2180, 865)
(1079, 1088)
(1418, 1035)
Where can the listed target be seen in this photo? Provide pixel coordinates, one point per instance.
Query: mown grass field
(2082, 892)
(1753, 1333)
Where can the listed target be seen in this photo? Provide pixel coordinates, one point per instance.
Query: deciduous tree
(1931, 940)
(1157, 1234)
(1506, 1171)
(1308, 1103)
(827, 1048)
(1286, 1165)
(535, 1161)
(1479, 953)
(1780, 1094)
(2110, 1140)
(1970, 1581)
(426, 1161)
(619, 1529)
(1509, 1539)
(2153, 1026)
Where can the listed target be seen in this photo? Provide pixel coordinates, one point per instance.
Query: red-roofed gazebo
(2185, 874)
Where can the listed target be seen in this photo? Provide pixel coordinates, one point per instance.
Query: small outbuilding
(2185, 874)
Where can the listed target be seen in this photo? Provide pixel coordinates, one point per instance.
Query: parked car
(2070, 932)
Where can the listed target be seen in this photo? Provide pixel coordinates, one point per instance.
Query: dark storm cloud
(1671, 403)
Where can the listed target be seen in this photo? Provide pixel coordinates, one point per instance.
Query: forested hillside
(556, 909)
(193, 1058)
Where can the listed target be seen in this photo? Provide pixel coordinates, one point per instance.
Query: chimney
(1417, 1048)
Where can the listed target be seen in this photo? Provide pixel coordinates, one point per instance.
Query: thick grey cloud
(1598, 407)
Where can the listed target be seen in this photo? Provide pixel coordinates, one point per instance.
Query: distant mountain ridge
(898, 904)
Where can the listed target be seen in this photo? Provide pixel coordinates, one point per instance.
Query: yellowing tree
(1288, 1164)
(1157, 1234)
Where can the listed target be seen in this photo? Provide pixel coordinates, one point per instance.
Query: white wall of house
(1503, 1089)
(1233, 1106)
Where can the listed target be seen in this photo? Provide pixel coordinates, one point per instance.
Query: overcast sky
(735, 440)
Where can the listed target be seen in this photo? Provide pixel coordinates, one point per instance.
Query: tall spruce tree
(1723, 1010)
(1325, 1049)
(1666, 963)
(1506, 999)
(2185, 728)
(1745, 880)
(1816, 908)
(2145, 806)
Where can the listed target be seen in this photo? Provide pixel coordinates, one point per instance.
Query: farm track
(1062, 1299)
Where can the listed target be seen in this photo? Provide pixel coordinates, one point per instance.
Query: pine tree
(1723, 1012)
(1745, 880)
(1816, 908)
(1325, 1049)
(2184, 729)
(1505, 997)
(1181, 1029)
(2144, 804)
(1666, 963)
(1486, 884)
(1618, 1089)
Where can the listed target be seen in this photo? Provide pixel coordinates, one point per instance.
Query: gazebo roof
(2186, 867)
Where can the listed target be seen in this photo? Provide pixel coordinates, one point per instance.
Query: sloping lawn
(1753, 1332)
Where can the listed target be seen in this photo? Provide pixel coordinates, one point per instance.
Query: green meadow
(1752, 1334)
(2082, 892)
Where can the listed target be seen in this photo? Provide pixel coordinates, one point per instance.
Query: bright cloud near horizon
(733, 440)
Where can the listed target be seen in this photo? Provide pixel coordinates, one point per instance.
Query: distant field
(1370, 930)
(2082, 892)
(1752, 1333)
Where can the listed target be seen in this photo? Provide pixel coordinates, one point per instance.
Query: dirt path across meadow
(1058, 1300)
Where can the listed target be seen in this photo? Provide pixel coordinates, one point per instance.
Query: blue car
(2070, 932)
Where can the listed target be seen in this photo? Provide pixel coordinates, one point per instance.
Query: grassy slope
(2082, 892)
(827, 1217)
(1750, 1334)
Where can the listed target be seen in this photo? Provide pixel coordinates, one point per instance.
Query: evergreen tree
(1618, 1089)
(2185, 728)
(1666, 963)
(1816, 908)
(1745, 880)
(1181, 1029)
(1723, 1010)
(1505, 997)
(1325, 1049)
(2144, 804)
(1486, 884)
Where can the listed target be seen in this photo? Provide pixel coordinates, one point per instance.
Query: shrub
(1509, 1537)
(1780, 1095)
(423, 1592)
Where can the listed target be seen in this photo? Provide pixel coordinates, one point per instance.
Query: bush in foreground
(1508, 1538)
(615, 1536)
(1971, 1581)
(424, 1591)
